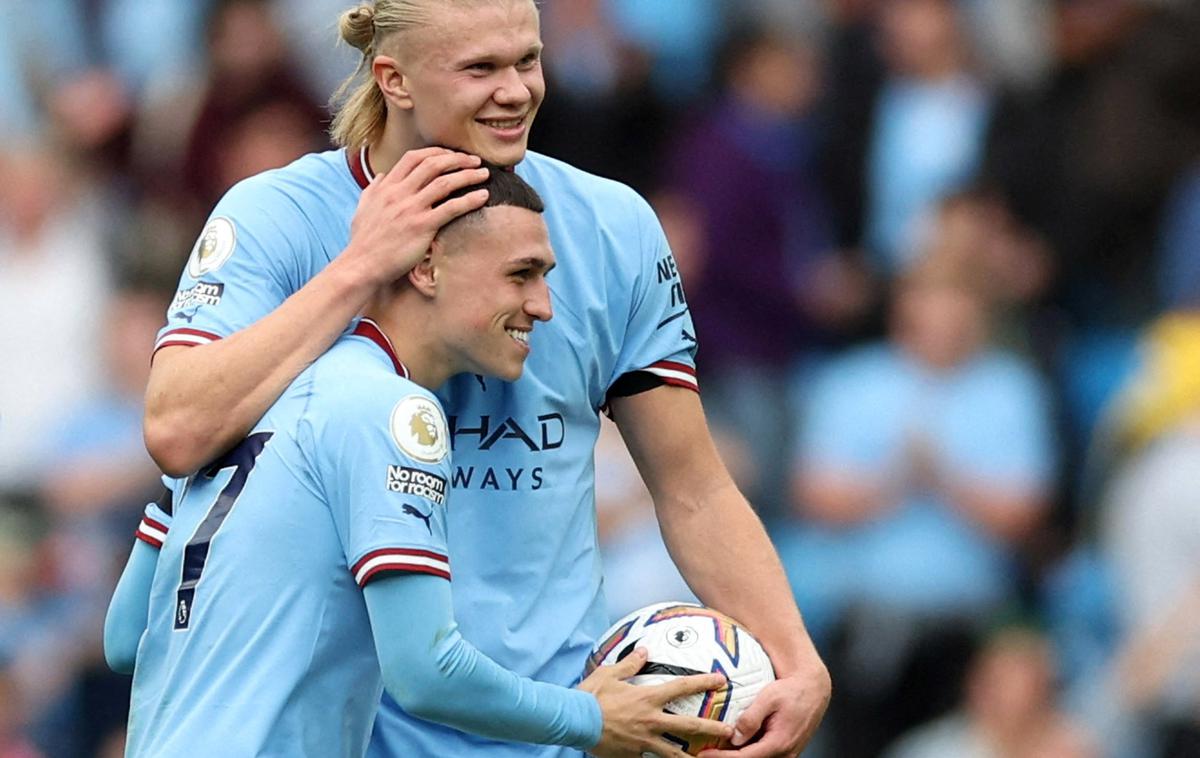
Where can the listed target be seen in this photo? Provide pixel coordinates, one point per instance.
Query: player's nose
(537, 305)
(512, 89)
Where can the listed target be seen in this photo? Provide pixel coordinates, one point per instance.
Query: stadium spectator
(605, 116)
(1009, 708)
(95, 460)
(40, 624)
(925, 462)
(928, 128)
(1150, 533)
(1088, 159)
(853, 74)
(254, 112)
(746, 166)
(976, 229)
(681, 37)
(54, 284)
(93, 478)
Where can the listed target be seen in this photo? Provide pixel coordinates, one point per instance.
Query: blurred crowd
(943, 258)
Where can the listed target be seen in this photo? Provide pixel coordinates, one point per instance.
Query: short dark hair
(505, 187)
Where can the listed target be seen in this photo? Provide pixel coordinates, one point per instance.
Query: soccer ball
(684, 639)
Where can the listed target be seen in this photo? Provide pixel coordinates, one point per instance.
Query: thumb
(630, 664)
(751, 720)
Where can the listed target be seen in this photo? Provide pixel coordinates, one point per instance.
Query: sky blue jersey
(523, 533)
(258, 641)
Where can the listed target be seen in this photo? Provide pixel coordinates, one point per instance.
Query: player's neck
(415, 339)
(399, 136)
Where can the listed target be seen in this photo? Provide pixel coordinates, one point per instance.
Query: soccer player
(290, 256)
(320, 539)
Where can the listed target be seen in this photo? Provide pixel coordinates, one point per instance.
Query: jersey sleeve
(659, 345)
(156, 521)
(386, 471)
(244, 265)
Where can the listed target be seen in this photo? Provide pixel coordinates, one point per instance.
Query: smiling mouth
(519, 336)
(502, 123)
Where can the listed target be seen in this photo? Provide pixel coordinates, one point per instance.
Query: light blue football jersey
(258, 641)
(523, 532)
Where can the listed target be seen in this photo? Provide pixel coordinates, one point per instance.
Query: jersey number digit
(241, 459)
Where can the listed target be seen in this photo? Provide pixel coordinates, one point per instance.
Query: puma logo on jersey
(412, 511)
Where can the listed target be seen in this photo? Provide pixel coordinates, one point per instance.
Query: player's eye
(481, 67)
(528, 62)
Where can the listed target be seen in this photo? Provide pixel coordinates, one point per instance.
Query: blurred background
(943, 258)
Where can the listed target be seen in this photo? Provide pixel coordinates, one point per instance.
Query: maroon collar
(360, 166)
(369, 329)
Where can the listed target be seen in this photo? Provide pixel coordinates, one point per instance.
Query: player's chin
(512, 372)
(502, 153)
(506, 369)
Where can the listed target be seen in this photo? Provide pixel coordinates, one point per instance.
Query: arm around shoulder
(201, 400)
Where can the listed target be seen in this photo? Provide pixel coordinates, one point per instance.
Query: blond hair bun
(357, 27)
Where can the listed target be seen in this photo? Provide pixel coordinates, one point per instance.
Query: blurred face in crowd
(244, 42)
(777, 76)
(1011, 683)
(940, 322)
(920, 37)
(272, 135)
(473, 77)
(32, 186)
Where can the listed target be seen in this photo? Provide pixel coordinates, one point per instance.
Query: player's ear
(423, 276)
(391, 81)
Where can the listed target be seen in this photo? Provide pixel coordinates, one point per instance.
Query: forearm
(720, 522)
(126, 618)
(434, 674)
(702, 514)
(201, 400)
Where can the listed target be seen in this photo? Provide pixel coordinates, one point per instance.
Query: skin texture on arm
(126, 617)
(201, 400)
(702, 513)
(434, 674)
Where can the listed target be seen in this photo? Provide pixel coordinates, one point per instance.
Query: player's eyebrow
(534, 50)
(536, 262)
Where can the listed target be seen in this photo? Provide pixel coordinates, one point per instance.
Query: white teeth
(519, 336)
(509, 124)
